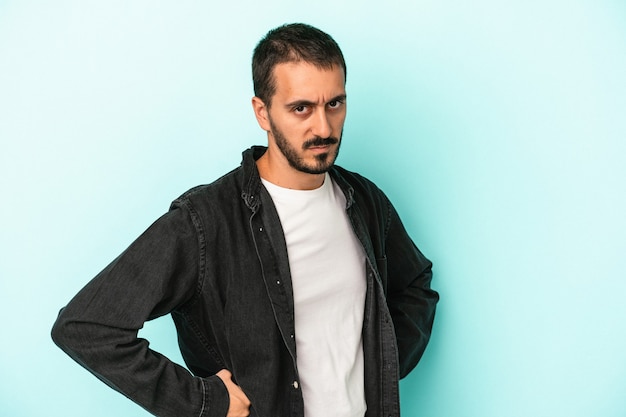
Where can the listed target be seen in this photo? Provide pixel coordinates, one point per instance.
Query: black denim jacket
(217, 261)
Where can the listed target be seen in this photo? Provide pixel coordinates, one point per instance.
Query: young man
(293, 285)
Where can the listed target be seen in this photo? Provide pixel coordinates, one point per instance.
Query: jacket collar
(251, 181)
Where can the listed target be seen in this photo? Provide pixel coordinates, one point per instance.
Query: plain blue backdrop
(498, 129)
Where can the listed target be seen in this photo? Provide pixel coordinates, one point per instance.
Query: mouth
(319, 147)
(320, 150)
(320, 144)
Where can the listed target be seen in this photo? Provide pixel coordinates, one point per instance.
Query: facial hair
(323, 161)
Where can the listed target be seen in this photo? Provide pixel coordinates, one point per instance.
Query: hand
(239, 403)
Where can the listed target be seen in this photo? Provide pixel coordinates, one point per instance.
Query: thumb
(225, 375)
(234, 391)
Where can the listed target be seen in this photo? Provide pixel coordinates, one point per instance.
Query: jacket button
(295, 384)
(260, 229)
(278, 282)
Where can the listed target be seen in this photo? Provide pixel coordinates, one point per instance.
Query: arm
(99, 326)
(410, 299)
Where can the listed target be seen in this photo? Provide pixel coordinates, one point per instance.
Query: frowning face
(306, 117)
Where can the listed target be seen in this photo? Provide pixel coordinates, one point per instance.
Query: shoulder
(215, 207)
(223, 189)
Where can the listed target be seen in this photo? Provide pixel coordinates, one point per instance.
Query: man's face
(307, 114)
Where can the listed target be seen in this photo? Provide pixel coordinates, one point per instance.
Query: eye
(300, 109)
(335, 104)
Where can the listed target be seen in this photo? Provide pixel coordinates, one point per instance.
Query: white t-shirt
(327, 265)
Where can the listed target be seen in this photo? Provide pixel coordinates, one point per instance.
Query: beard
(323, 161)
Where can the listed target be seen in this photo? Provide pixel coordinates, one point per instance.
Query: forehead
(305, 80)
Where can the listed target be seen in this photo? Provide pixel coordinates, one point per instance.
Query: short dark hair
(293, 42)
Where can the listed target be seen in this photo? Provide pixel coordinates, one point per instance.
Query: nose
(321, 126)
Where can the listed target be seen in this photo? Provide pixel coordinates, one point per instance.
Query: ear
(261, 113)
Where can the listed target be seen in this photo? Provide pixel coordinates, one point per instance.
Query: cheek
(299, 128)
(294, 132)
(339, 121)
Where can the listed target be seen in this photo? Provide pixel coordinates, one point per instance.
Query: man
(294, 288)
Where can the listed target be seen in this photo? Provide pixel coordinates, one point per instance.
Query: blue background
(497, 128)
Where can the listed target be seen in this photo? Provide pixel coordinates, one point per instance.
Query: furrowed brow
(298, 103)
(340, 97)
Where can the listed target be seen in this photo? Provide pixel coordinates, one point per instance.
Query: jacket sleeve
(410, 299)
(98, 328)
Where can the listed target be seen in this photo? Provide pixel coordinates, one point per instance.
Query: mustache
(319, 141)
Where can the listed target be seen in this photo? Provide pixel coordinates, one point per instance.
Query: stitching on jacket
(197, 223)
(198, 333)
(388, 217)
(204, 396)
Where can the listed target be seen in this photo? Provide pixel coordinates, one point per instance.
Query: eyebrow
(297, 103)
